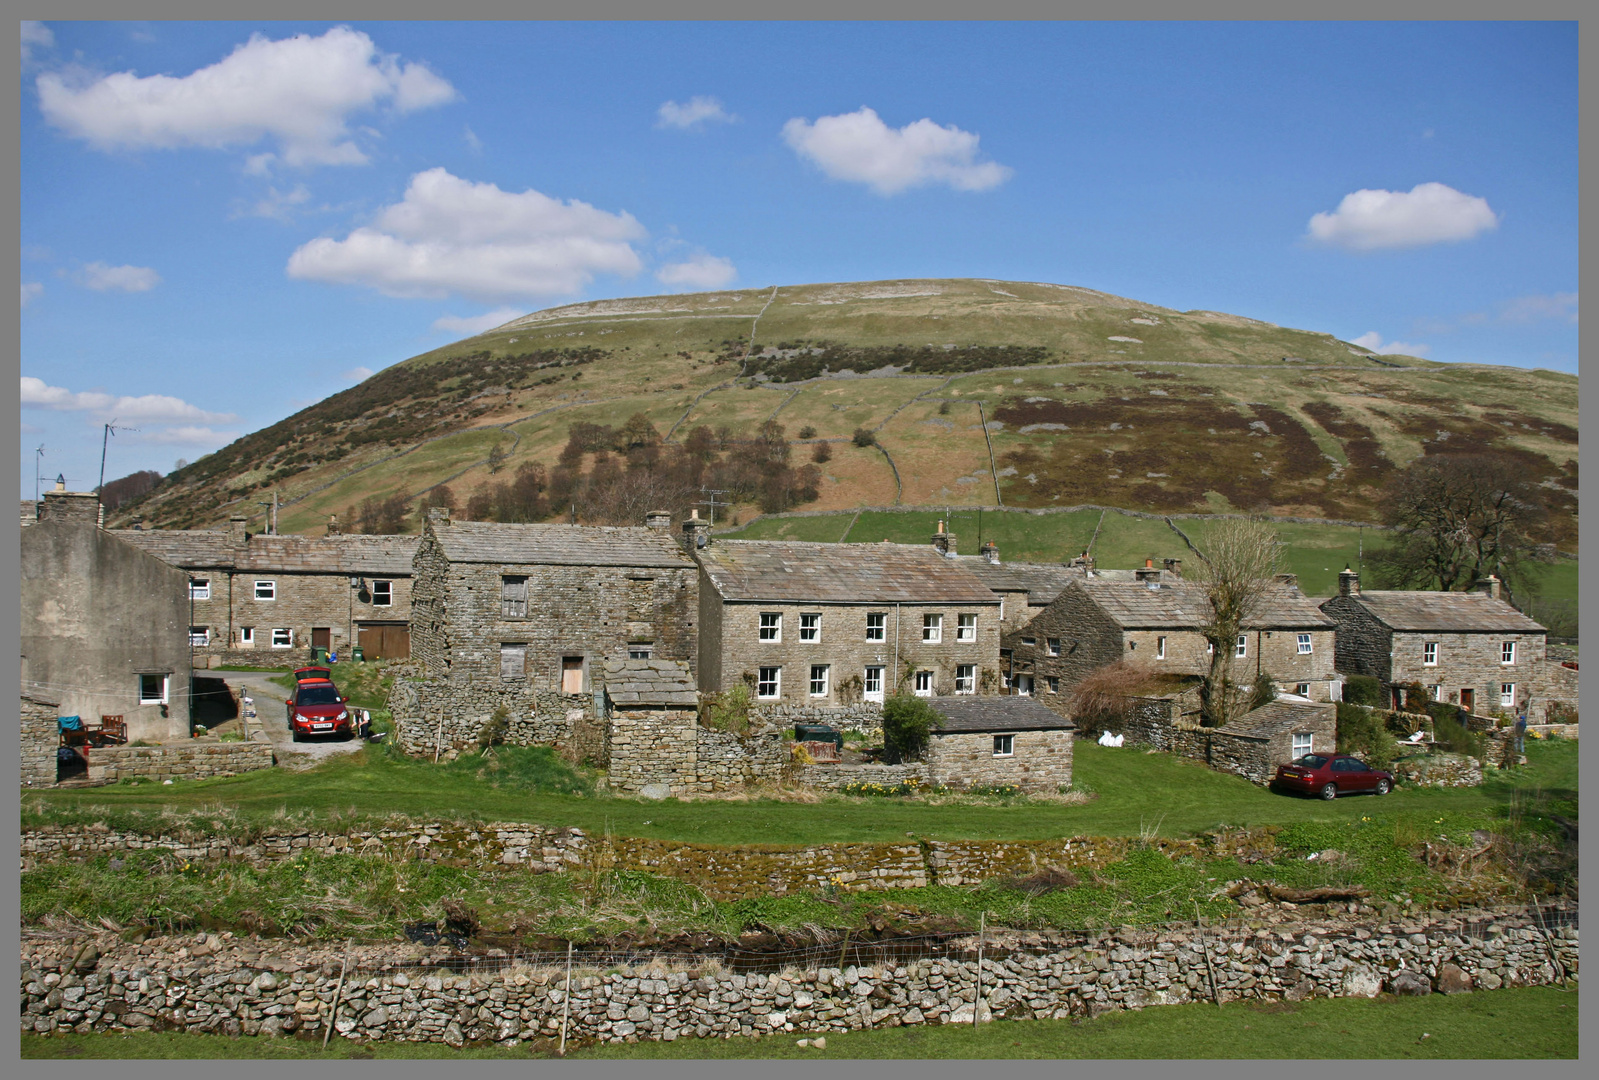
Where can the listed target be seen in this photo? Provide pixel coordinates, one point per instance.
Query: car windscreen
(317, 695)
(1312, 761)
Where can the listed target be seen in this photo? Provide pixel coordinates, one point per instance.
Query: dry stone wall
(221, 984)
(41, 736)
(447, 717)
(1439, 770)
(195, 761)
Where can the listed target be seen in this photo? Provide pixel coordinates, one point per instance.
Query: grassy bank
(1529, 1022)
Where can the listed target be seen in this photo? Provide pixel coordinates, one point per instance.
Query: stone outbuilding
(1254, 744)
(268, 599)
(1471, 649)
(103, 626)
(1157, 623)
(999, 740)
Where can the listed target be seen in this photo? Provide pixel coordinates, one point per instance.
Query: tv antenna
(712, 501)
(105, 441)
(38, 463)
(272, 513)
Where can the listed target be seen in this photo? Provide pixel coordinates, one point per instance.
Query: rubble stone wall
(195, 761)
(436, 715)
(41, 736)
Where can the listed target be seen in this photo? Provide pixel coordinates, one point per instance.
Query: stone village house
(1471, 649)
(254, 595)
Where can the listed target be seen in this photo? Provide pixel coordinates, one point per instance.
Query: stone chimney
(1290, 580)
(1174, 567)
(75, 506)
(138, 525)
(238, 531)
(1147, 573)
(1084, 562)
(1489, 585)
(1348, 582)
(658, 519)
(991, 552)
(696, 531)
(333, 525)
(439, 515)
(944, 541)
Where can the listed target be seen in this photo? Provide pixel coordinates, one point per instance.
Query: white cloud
(1373, 341)
(186, 436)
(450, 236)
(30, 291)
(357, 374)
(158, 408)
(35, 33)
(699, 272)
(858, 146)
(275, 204)
(297, 91)
(473, 143)
(102, 278)
(697, 111)
(476, 324)
(1526, 309)
(1373, 219)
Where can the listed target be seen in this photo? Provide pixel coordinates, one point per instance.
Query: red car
(1332, 775)
(316, 707)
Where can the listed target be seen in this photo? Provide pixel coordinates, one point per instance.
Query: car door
(1343, 774)
(1360, 776)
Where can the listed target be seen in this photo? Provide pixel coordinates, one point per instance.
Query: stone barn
(999, 740)
(1253, 745)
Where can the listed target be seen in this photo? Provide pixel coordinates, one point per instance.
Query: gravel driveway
(271, 724)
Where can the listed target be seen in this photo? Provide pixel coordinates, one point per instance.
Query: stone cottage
(836, 626)
(1157, 623)
(999, 740)
(103, 625)
(1471, 649)
(260, 598)
(1254, 744)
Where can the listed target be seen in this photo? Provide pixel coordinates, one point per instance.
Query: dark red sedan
(1332, 775)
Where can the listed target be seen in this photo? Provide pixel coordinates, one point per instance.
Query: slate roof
(792, 570)
(559, 545)
(202, 549)
(1278, 716)
(1042, 582)
(1010, 712)
(1453, 612)
(1184, 606)
(650, 682)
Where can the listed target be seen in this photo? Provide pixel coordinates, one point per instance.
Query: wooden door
(571, 674)
(321, 637)
(1468, 699)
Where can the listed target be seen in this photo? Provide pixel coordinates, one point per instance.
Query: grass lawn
(1529, 1022)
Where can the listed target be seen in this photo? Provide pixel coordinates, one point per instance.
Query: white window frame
(922, 682)
(159, 699)
(771, 626)
(1030, 642)
(966, 678)
(1429, 654)
(199, 588)
(811, 627)
(966, 628)
(1052, 683)
(288, 634)
(385, 597)
(1241, 650)
(873, 673)
(1004, 746)
(1305, 645)
(1507, 653)
(1052, 646)
(1302, 689)
(639, 652)
(820, 675)
(265, 589)
(1303, 743)
(1437, 691)
(247, 636)
(1160, 648)
(932, 629)
(200, 640)
(776, 683)
(877, 626)
(1507, 695)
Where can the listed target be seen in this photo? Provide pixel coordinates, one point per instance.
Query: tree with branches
(1236, 567)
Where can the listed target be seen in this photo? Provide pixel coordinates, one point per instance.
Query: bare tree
(1104, 699)
(1236, 567)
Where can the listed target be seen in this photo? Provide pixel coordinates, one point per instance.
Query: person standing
(1521, 734)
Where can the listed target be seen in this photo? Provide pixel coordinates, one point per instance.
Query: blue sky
(225, 222)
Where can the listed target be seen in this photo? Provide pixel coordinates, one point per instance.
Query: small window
(513, 597)
(1053, 683)
(153, 689)
(876, 625)
(772, 626)
(1304, 644)
(818, 680)
(266, 590)
(966, 678)
(382, 593)
(1052, 646)
(1029, 642)
(513, 660)
(1507, 653)
(873, 687)
(1301, 744)
(1507, 695)
(1302, 689)
(282, 638)
(966, 628)
(1242, 648)
(200, 636)
(1160, 648)
(638, 652)
(246, 635)
(199, 588)
(811, 627)
(770, 683)
(1004, 745)
(1132, 646)
(924, 684)
(933, 628)
(1210, 648)
(1437, 691)
(1429, 653)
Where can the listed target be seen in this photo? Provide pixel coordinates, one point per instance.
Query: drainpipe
(896, 648)
(230, 609)
(1257, 653)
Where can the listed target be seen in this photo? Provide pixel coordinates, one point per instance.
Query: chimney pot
(696, 532)
(991, 552)
(238, 530)
(1149, 563)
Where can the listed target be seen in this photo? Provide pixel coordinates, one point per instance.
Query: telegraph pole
(712, 501)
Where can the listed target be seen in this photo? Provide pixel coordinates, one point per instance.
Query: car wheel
(1383, 787)
(1329, 792)
(294, 733)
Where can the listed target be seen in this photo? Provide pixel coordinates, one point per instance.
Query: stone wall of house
(1088, 639)
(195, 761)
(446, 717)
(1254, 757)
(41, 737)
(301, 602)
(1040, 761)
(1149, 720)
(220, 984)
(1472, 661)
(843, 648)
(649, 747)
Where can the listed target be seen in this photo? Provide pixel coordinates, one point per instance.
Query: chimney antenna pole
(105, 440)
(38, 462)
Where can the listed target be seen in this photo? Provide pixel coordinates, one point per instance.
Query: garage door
(385, 641)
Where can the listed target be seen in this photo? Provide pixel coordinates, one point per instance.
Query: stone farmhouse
(809, 625)
(1158, 623)
(257, 595)
(1471, 649)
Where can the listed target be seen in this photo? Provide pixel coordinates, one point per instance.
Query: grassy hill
(980, 393)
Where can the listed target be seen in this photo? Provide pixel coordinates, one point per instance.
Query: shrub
(822, 453)
(1106, 697)
(1363, 690)
(863, 437)
(493, 732)
(807, 432)
(727, 711)
(1451, 733)
(1361, 731)
(907, 721)
(996, 791)
(1264, 692)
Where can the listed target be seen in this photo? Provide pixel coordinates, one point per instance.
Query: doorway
(321, 638)
(1468, 698)
(571, 674)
